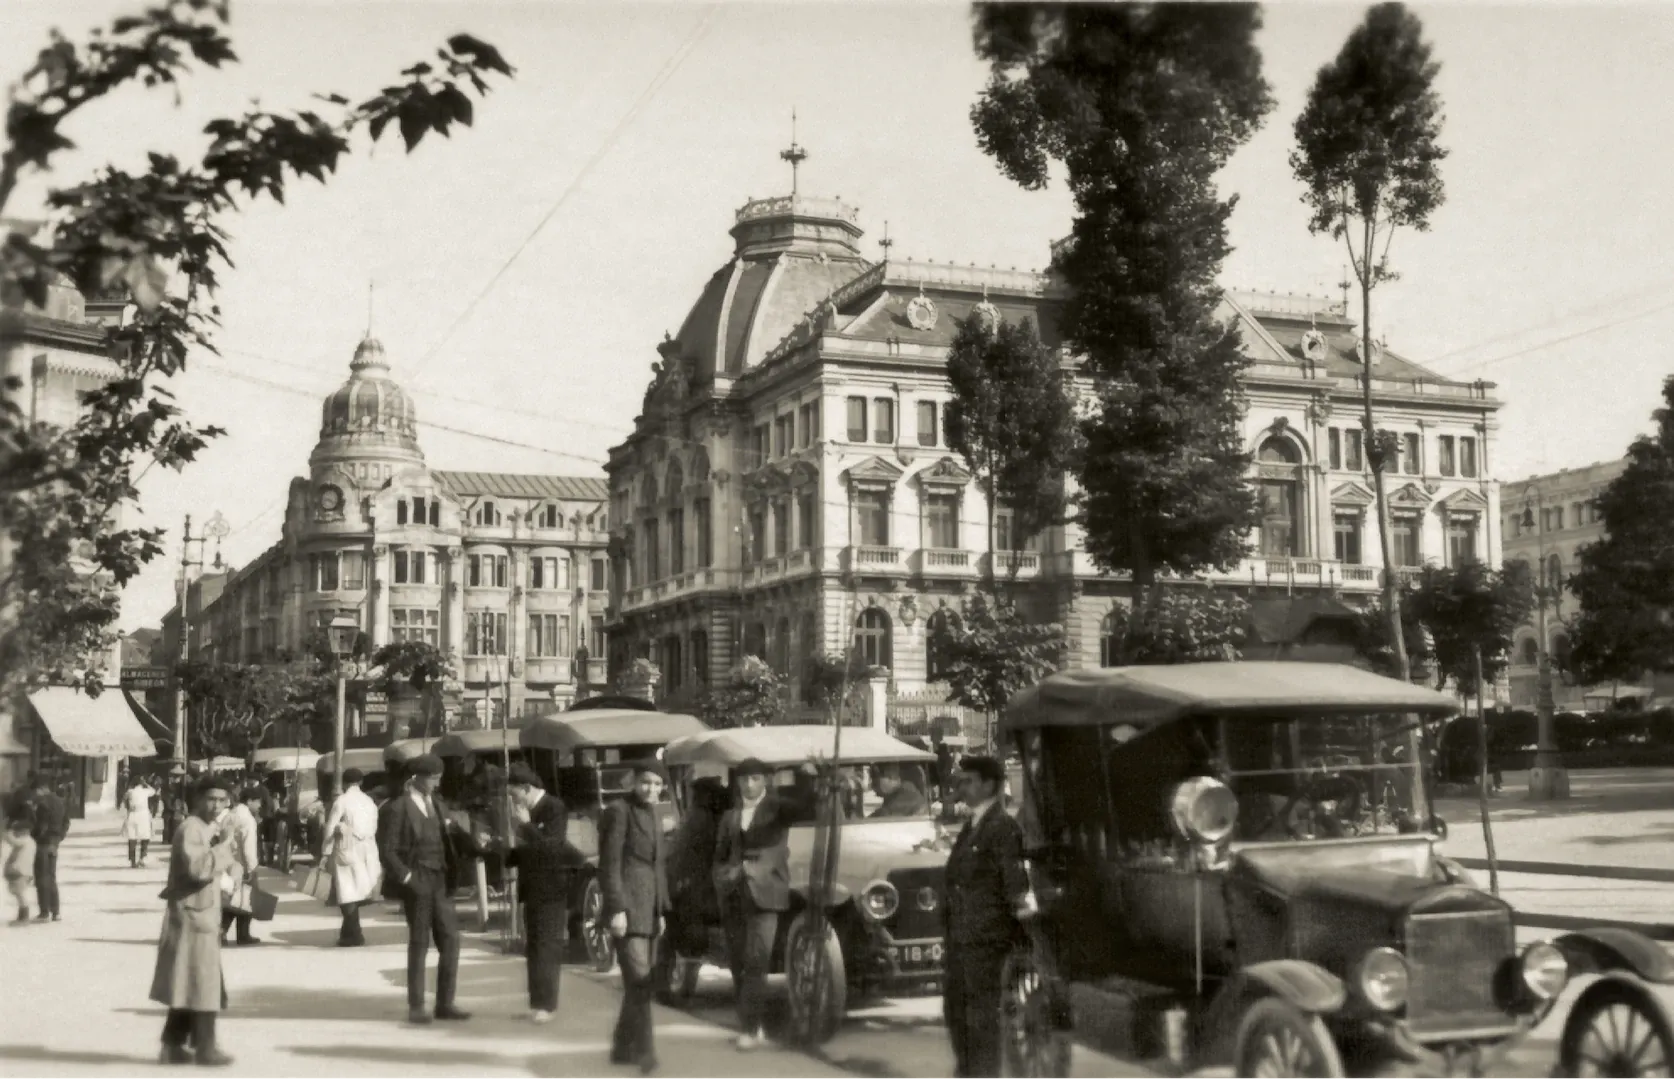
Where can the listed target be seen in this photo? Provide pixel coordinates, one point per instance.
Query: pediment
(1409, 497)
(1465, 501)
(1352, 494)
(875, 470)
(945, 473)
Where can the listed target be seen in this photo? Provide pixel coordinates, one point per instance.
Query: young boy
(20, 864)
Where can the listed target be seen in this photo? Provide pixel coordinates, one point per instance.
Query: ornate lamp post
(343, 631)
(1548, 779)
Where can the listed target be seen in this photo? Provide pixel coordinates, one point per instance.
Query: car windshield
(881, 791)
(1324, 777)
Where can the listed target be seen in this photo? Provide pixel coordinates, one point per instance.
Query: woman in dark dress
(633, 876)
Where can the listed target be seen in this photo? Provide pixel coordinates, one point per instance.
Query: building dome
(369, 416)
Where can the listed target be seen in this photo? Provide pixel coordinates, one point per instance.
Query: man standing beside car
(543, 857)
(987, 897)
(413, 844)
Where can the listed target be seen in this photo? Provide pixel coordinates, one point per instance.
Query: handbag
(263, 904)
(317, 884)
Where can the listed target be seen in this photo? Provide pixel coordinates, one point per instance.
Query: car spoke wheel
(816, 981)
(1615, 1030)
(600, 949)
(1030, 1040)
(1275, 1038)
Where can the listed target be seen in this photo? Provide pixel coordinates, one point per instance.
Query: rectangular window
(927, 432)
(653, 553)
(1557, 517)
(1461, 541)
(1412, 462)
(435, 511)
(857, 419)
(549, 635)
(398, 559)
(758, 534)
(401, 512)
(941, 521)
(1446, 464)
(415, 624)
(325, 572)
(599, 568)
(1347, 531)
(883, 421)
(549, 572)
(485, 633)
(596, 625)
(782, 435)
(1335, 438)
(1403, 541)
(763, 441)
(805, 425)
(1353, 460)
(353, 569)
(871, 511)
(806, 519)
(1467, 457)
(677, 541)
(781, 525)
(700, 513)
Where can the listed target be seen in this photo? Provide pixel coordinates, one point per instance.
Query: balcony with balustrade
(1004, 565)
(944, 563)
(873, 559)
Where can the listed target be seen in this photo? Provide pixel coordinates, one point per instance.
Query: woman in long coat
(351, 850)
(633, 876)
(187, 978)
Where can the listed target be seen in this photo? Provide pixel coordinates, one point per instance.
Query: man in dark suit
(52, 824)
(752, 878)
(543, 857)
(987, 897)
(414, 844)
(633, 876)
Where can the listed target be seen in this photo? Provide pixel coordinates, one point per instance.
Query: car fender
(1307, 986)
(839, 897)
(1611, 948)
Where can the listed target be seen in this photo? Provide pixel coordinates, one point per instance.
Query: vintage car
(583, 757)
(289, 773)
(884, 933)
(1235, 864)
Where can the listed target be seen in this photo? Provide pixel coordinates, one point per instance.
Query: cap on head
(651, 766)
(982, 765)
(352, 777)
(425, 765)
(524, 775)
(752, 767)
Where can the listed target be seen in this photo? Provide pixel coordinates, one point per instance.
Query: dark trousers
(351, 933)
(971, 1007)
(631, 1043)
(137, 850)
(184, 1027)
(544, 930)
(750, 932)
(430, 916)
(239, 917)
(46, 879)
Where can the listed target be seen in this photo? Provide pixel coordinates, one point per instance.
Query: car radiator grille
(911, 922)
(1454, 960)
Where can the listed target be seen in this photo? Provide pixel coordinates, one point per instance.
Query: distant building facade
(788, 487)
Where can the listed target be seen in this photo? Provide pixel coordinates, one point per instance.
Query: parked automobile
(289, 773)
(884, 933)
(584, 757)
(1235, 865)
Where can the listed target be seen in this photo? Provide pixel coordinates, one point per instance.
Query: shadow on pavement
(311, 1003)
(327, 938)
(72, 1057)
(417, 1055)
(150, 942)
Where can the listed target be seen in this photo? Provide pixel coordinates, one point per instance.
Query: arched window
(1281, 497)
(700, 658)
(782, 646)
(487, 513)
(755, 640)
(872, 639)
(1560, 648)
(936, 657)
(1109, 644)
(648, 493)
(700, 467)
(807, 641)
(673, 671)
(1554, 572)
(1529, 652)
(675, 480)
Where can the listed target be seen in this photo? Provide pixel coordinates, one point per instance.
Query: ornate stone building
(504, 571)
(788, 485)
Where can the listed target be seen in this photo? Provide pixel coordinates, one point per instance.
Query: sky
(522, 272)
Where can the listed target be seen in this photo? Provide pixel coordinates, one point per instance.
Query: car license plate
(908, 956)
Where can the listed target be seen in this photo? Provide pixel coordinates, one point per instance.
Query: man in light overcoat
(351, 851)
(187, 978)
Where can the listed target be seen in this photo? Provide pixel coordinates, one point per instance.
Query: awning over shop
(154, 727)
(91, 727)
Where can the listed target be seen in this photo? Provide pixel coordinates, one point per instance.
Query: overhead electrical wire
(1538, 346)
(1617, 299)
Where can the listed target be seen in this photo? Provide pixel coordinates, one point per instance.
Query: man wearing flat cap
(987, 897)
(633, 876)
(351, 851)
(752, 879)
(544, 857)
(417, 853)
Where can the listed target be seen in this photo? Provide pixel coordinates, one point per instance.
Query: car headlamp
(880, 900)
(1382, 979)
(1204, 810)
(1545, 970)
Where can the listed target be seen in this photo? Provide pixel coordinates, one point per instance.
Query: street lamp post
(1548, 779)
(343, 632)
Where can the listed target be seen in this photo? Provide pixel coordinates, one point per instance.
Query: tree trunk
(1374, 457)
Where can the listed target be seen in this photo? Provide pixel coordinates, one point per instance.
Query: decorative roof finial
(1344, 285)
(886, 243)
(795, 155)
(370, 287)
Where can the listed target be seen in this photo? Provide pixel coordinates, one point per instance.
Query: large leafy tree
(752, 696)
(235, 706)
(1140, 104)
(1368, 158)
(158, 235)
(1181, 627)
(1625, 582)
(1467, 610)
(1012, 418)
(421, 666)
(994, 650)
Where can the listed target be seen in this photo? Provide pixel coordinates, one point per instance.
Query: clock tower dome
(368, 433)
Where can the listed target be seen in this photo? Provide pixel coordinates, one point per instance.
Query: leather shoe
(418, 1016)
(451, 1012)
(350, 943)
(648, 1065)
(213, 1058)
(175, 1055)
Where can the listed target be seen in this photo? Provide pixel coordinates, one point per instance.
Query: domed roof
(369, 412)
(791, 252)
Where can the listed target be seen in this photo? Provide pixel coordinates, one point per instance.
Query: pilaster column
(378, 632)
(453, 603)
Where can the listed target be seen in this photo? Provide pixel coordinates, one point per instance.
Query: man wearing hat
(351, 851)
(543, 856)
(633, 876)
(187, 977)
(752, 878)
(413, 842)
(987, 897)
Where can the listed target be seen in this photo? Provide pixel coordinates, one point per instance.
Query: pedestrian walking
(187, 978)
(543, 857)
(52, 824)
(20, 864)
(987, 897)
(414, 843)
(752, 878)
(351, 851)
(138, 824)
(244, 831)
(633, 876)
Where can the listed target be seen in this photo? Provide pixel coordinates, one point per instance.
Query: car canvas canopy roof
(407, 749)
(789, 744)
(365, 758)
(1149, 696)
(481, 741)
(286, 758)
(608, 727)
